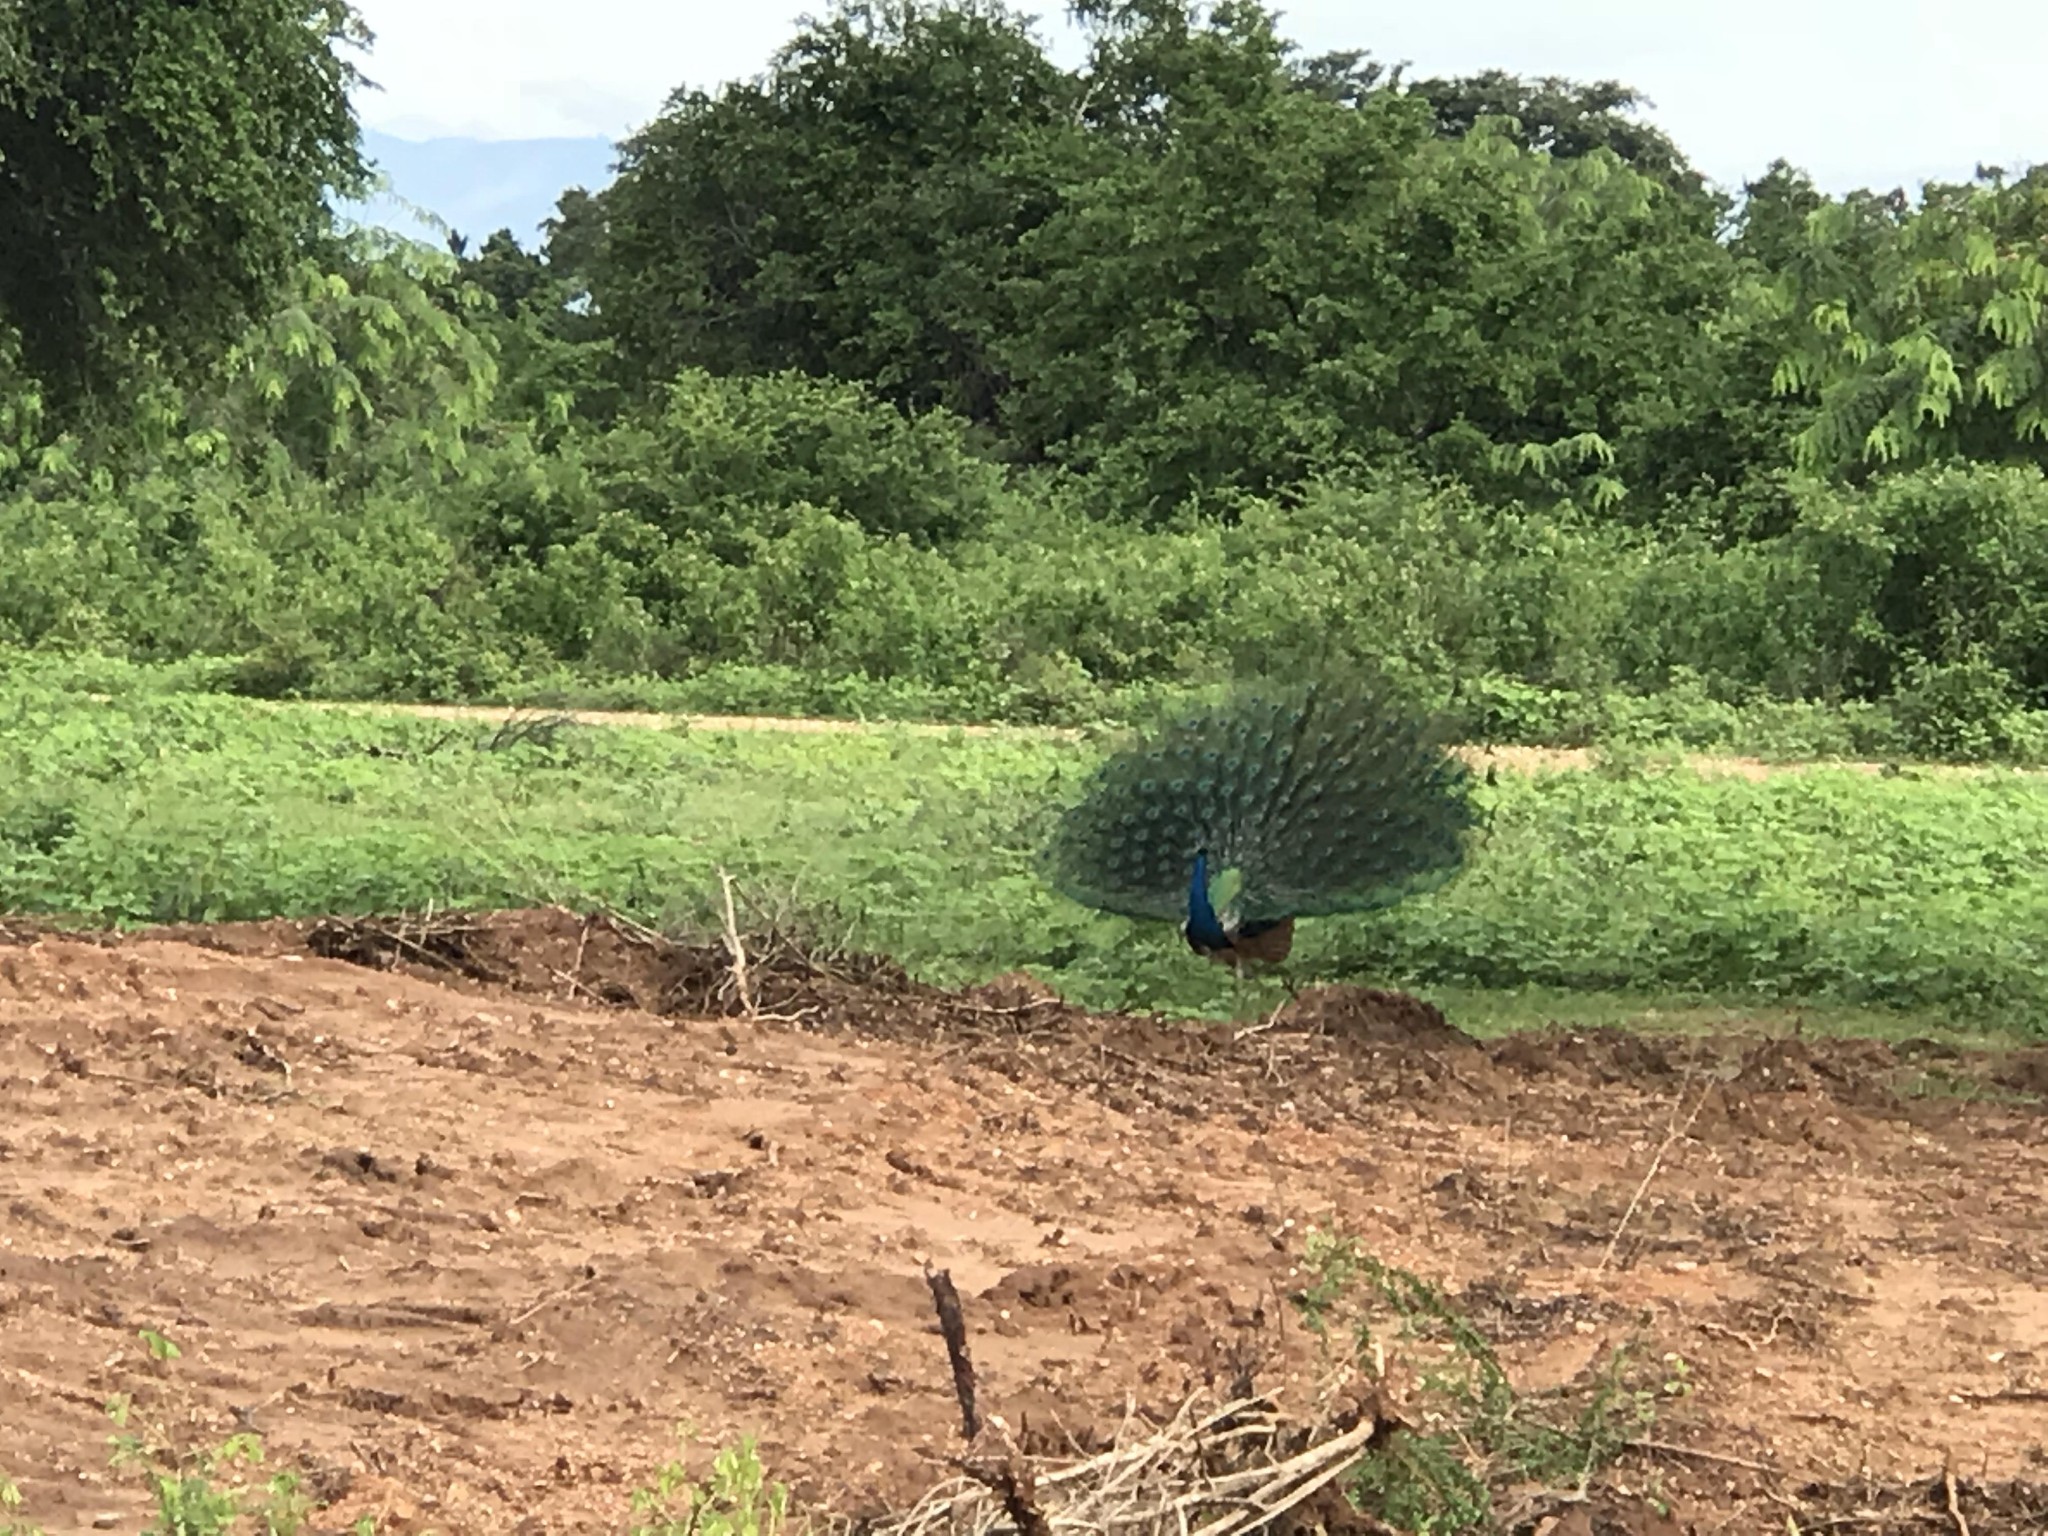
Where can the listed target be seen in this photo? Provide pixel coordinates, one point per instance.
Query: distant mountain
(479, 185)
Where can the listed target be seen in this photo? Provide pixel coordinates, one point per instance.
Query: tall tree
(1565, 118)
(1918, 331)
(161, 165)
(1771, 226)
(851, 213)
(1251, 277)
(557, 362)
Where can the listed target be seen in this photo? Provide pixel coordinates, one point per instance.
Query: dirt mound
(464, 1215)
(2023, 1072)
(1369, 1016)
(1596, 1057)
(1329, 1055)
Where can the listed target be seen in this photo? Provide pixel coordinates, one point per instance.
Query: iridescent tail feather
(1323, 799)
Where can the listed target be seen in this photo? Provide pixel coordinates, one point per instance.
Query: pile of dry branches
(1216, 1469)
(1213, 1471)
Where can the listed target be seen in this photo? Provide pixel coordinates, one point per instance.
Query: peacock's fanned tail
(1324, 799)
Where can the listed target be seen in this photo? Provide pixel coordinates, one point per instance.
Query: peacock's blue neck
(1203, 925)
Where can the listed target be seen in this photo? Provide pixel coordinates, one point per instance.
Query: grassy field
(1591, 894)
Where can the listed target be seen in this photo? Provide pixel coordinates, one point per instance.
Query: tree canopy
(162, 167)
(924, 367)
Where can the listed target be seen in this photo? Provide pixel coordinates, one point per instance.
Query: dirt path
(1506, 759)
(476, 1252)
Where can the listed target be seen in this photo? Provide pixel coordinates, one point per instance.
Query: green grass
(1589, 895)
(1493, 1012)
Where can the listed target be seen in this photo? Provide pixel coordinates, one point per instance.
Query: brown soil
(466, 1219)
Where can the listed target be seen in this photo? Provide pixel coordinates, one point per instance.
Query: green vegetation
(167, 166)
(734, 1499)
(1470, 1433)
(925, 377)
(1919, 891)
(10, 1505)
(212, 1490)
(198, 1490)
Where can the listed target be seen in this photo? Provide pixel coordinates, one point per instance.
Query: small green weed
(10, 1505)
(203, 1490)
(1471, 1432)
(736, 1499)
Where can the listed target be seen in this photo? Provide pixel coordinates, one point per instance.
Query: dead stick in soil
(1693, 1453)
(1010, 1480)
(576, 970)
(2007, 1395)
(735, 948)
(1955, 1508)
(953, 1328)
(1656, 1162)
(552, 1297)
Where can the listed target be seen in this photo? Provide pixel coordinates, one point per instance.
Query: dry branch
(1206, 1473)
(735, 948)
(1671, 1136)
(953, 1328)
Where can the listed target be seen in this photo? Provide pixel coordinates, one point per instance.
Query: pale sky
(1859, 92)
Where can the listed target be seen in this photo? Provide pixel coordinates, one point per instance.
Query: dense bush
(753, 545)
(927, 375)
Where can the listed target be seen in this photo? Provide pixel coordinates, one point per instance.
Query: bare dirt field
(465, 1224)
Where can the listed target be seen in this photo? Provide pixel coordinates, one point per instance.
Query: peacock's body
(1320, 799)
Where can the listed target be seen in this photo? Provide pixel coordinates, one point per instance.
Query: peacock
(1309, 799)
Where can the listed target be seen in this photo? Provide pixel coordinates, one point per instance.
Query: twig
(632, 932)
(576, 970)
(573, 984)
(1656, 1162)
(953, 1328)
(1955, 1508)
(1795, 1512)
(991, 1011)
(1313, 1468)
(58, 1389)
(1708, 1325)
(554, 1296)
(735, 948)
(1693, 1453)
(1010, 1480)
(1260, 1028)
